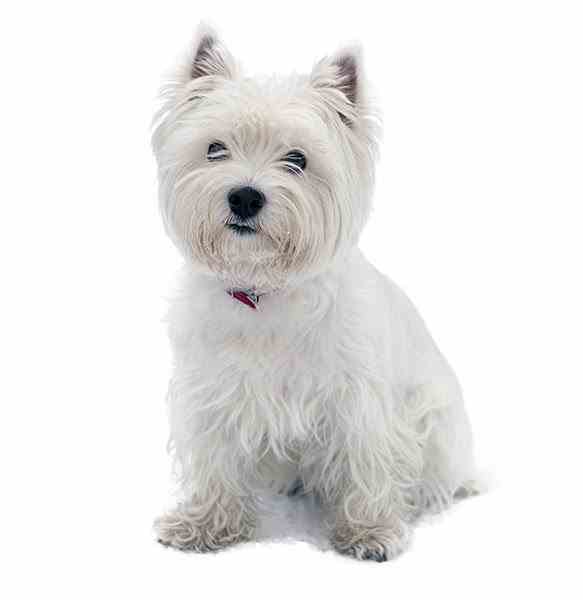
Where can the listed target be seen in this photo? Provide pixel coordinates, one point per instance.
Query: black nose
(246, 202)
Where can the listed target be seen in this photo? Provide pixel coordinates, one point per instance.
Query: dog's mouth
(241, 228)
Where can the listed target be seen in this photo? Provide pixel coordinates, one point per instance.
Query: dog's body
(294, 358)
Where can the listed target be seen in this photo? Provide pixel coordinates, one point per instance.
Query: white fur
(334, 379)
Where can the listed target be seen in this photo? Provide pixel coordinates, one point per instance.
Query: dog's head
(264, 182)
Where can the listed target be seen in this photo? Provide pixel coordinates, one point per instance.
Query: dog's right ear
(207, 57)
(210, 58)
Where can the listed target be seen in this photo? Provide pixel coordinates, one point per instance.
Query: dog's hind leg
(437, 413)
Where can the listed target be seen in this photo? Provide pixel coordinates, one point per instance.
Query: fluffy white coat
(333, 381)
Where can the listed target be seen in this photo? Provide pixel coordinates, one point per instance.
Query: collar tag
(247, 297)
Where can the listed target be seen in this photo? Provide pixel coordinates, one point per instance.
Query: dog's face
(264, 182)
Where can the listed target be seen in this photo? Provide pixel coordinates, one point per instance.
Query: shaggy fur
(333, 379)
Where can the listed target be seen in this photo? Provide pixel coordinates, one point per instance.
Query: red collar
(248, 297)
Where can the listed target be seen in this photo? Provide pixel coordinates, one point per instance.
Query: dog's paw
(376, 543)
(178, 531)
(467, 490)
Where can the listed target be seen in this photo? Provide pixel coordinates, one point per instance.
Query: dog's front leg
(364, 471)
(365, 531)
(219, 511)
(366, 524)
(207, 524)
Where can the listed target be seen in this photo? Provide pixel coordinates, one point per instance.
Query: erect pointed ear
(209, 57)
(341, 77)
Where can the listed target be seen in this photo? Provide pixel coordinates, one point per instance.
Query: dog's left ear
(341, 79)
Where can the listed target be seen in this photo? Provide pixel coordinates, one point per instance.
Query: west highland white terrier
(297, 365)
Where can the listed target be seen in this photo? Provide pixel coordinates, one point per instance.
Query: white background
(478, 216)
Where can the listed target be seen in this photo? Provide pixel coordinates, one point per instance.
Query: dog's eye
(217, 151)
(295, 161)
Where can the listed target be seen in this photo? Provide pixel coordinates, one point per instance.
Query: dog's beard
(284, 242)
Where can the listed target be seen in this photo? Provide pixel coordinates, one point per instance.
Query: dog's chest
(276, 363)
(281, 381)
(277, 376)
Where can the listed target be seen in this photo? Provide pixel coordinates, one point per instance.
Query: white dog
(297, 364)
